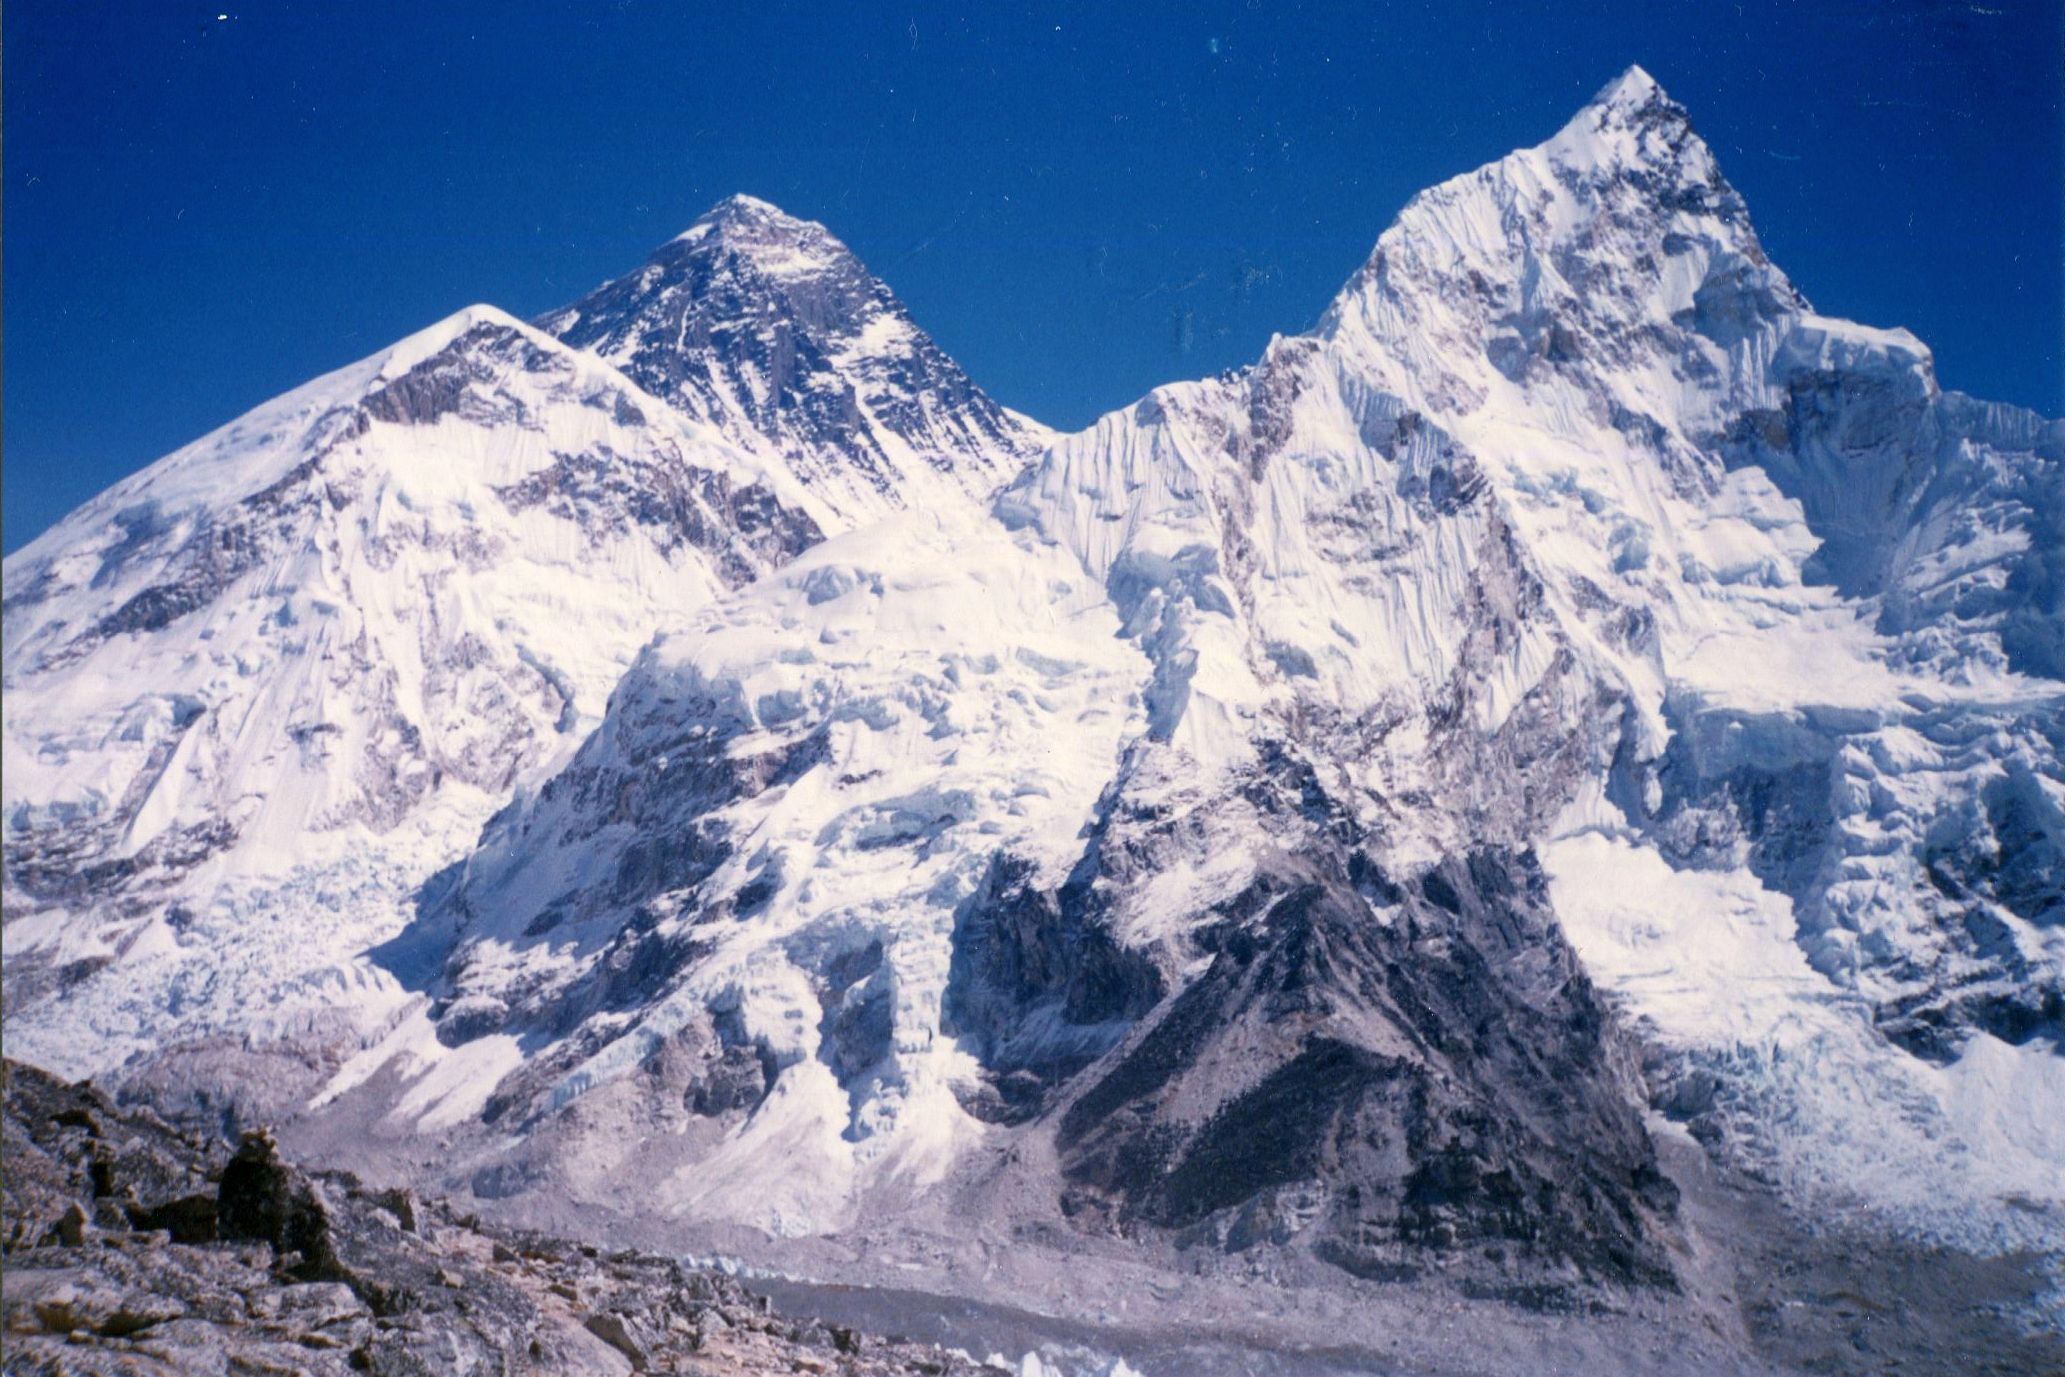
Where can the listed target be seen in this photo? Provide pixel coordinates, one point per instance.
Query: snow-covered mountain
(768, 328)
(1323, 808)
(260, 693)
(1225, 834)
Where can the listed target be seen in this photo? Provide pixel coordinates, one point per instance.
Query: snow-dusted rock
(770, 329)
(260, 693)
(751, 875)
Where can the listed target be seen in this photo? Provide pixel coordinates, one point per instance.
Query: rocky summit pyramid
(769, 329)
(1528, 792)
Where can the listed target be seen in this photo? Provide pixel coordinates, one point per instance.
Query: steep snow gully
(698, 755)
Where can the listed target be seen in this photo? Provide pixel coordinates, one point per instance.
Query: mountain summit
(770, 329)
(292, 668)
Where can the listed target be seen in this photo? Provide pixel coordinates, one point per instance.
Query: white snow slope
(260, 693)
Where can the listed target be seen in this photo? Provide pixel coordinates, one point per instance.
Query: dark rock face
(657, 880)
(1397, 1072)
(322, 1275)
(1389, 1075)
(742, 527)
(463, 379)
(770, 329)
(1039, 987)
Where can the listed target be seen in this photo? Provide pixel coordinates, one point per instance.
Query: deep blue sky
(1078, 201)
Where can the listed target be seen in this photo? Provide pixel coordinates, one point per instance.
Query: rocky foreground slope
(131, 1247)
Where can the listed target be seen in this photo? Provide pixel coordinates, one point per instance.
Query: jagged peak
(1622, 188)
(764, 233)
(1631, 134)
(410, 350)
(1632, 122)
(773, 330)
(1632, 89)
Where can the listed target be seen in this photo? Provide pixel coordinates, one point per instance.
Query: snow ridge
(1537, 539)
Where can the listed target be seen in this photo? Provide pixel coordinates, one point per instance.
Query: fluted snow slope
(260, 693)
